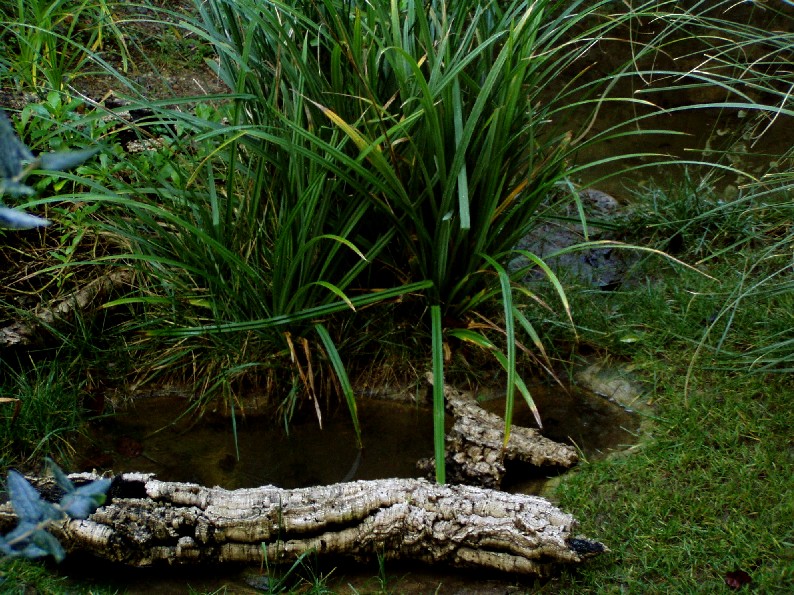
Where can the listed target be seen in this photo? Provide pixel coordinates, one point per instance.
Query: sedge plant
(424, 138)
(368, 152)
(48, 42)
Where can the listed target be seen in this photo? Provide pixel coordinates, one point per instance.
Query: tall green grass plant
(365, 152)
(48, 42)
(369, 151)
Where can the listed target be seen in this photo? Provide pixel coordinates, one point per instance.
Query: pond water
(395, 435)
(145, 438)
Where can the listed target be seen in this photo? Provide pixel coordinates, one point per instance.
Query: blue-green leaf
(12, 151)
(13, 219)
(65, 160)
(41, 541)
(27, 502)
(60, 477)
(81, 503)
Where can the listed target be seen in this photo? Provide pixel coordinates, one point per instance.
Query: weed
(48, 42)
(49, 410)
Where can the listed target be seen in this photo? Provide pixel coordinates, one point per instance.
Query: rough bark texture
(149, 522)
(475, 454)
(29, 333)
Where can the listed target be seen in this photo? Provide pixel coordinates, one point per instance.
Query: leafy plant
(47, 42)
(400, 145)
(31, 539)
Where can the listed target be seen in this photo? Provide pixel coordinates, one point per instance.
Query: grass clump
(48, 43)
(41, 412)
(367, 152)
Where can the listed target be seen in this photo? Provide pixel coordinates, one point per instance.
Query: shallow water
(395, 435)
(145, 438)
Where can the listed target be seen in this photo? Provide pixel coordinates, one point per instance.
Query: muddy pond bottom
(257, 452)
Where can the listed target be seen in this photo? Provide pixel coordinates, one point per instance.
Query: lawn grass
(708, 493)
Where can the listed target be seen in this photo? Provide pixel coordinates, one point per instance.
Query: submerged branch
(27, 333)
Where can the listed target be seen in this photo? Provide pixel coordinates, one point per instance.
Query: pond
(144, 437)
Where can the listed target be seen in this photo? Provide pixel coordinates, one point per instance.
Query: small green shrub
(17, 162)
(363, 146)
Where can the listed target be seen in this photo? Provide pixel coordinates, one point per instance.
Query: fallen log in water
(32, 333)
(475, 448)
(148, 522)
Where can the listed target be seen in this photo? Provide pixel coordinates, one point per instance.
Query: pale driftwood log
(475, 451)
(149, 522)
(28, 333)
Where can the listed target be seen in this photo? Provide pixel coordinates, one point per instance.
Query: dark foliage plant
(408, 135)
(368, 152)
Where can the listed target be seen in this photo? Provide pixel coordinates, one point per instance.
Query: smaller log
(29, 333)
(149, 522)
(475, 450)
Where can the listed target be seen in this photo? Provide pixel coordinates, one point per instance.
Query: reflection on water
(144, 439)
(395, 435)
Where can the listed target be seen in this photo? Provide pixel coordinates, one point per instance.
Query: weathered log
(475, 450)
(29, 333)
(148, 522)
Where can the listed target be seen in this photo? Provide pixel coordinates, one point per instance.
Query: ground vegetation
(330, 166)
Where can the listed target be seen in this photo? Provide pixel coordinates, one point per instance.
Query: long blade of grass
(341, 375)
(438, 394)
(336, 291)
(463, 179)
(307, 314)
(553, 279)
(522, 388)
(471, 336)
(510, 334)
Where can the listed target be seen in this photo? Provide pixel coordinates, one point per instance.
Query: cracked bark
(149, 522)
(475, 450)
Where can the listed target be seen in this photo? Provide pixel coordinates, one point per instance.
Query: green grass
(19, 576)
(46, 414)
(708, 493)
(48, 43)
(346, 167)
